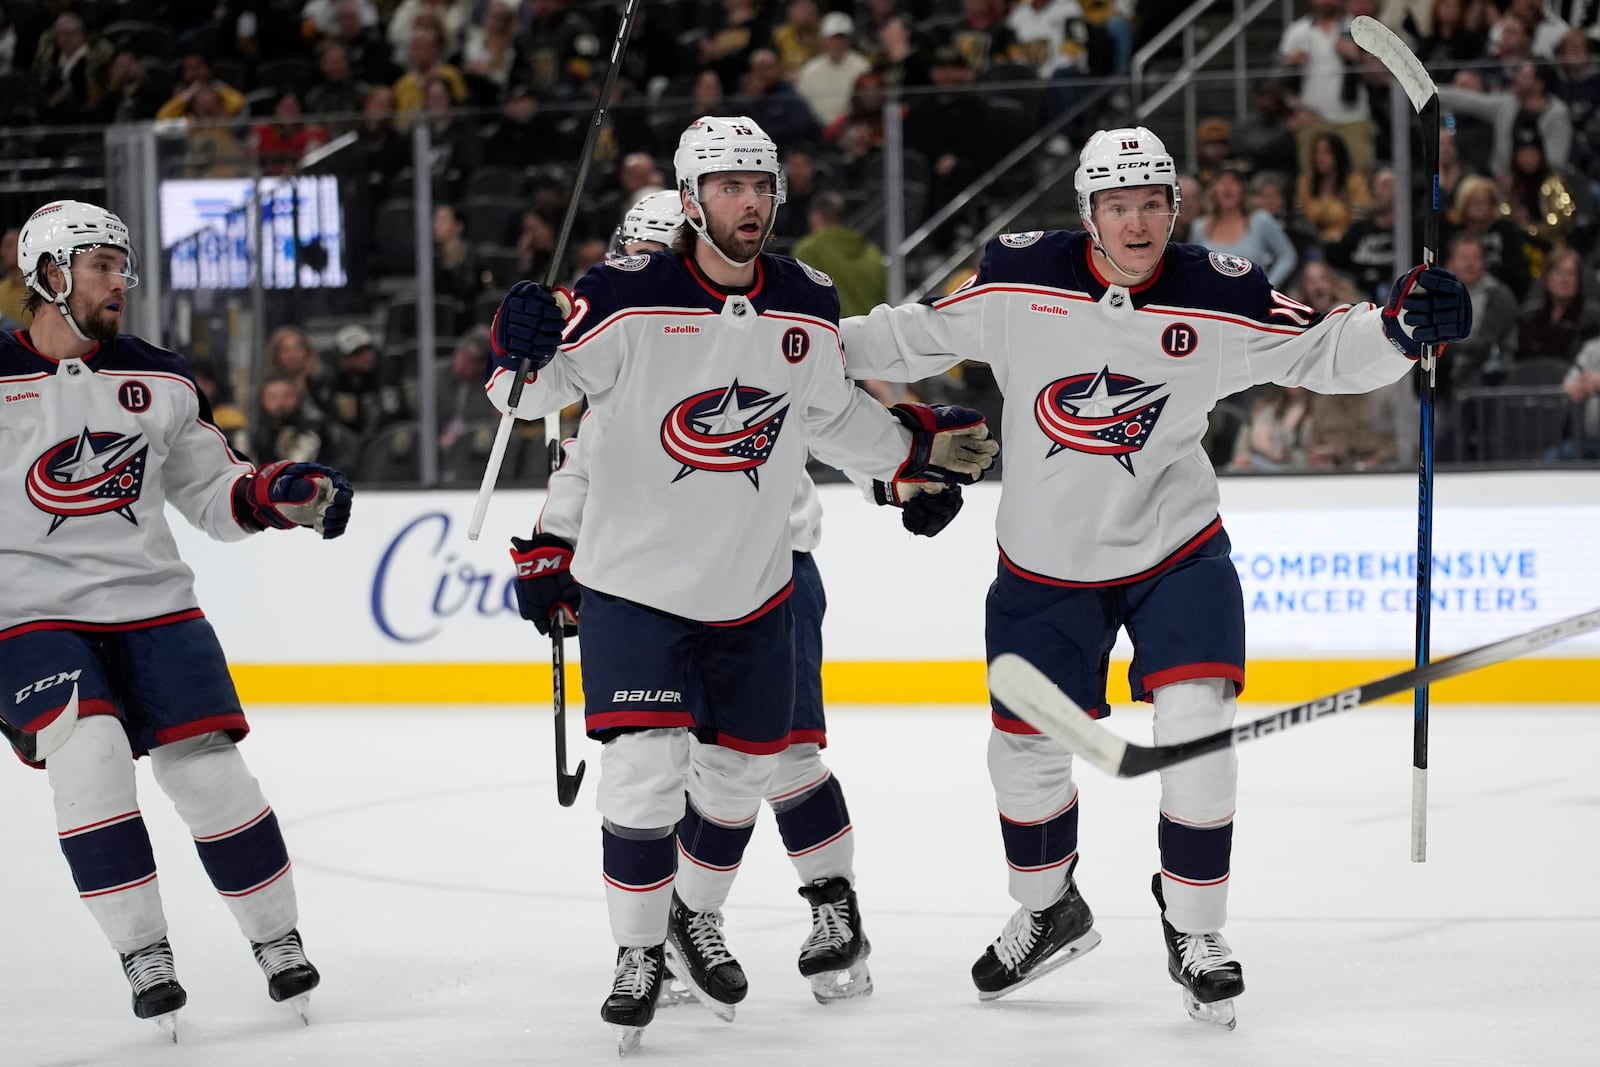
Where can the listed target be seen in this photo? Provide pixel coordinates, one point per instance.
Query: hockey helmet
(1121, 159)
(62, 228)
(713, 145)
(655, 217)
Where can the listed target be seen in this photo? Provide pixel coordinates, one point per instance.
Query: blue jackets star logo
(732, 429)
(1100, 414)
(90, 474)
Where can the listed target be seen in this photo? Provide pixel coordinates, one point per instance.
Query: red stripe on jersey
(1193, 543)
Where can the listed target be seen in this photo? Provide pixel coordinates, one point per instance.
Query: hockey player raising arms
(694, 361)
(1111, 346)
(102, 430)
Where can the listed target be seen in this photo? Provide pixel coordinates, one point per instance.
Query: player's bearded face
(99, 293)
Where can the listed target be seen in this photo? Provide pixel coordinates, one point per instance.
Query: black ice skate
(156, 992)
(1034, 943)
(834, 957)
(698, 956)
(635, 988)
(290, 975)
(1204, 966)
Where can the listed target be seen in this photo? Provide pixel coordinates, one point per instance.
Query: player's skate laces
(1034, 943)
(154, 981)
(635, 987)
(834, 956)
(290, 976)
(698, 956)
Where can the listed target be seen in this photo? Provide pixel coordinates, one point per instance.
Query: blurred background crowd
(338, 191)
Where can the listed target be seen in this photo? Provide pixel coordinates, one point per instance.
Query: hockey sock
(1197, 805)
(714, 850)
(235, 831)
(1038, 805)
(816, 830)
(103, 834)
(638, 867)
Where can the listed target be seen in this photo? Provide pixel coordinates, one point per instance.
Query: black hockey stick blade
(567, 785)
(1025, 690)
(37, 745)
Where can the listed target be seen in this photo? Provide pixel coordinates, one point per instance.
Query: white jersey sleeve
(568, 488)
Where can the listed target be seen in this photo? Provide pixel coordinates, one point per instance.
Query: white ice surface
(456, 911)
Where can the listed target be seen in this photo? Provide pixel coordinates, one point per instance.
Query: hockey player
(693, 362)
(1111, 346)
(102, 431)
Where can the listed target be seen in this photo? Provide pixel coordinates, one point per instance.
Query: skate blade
(680, 971)
(169, 1025)
(831, 986)
(301, 1006)
(628, 1038)
(1218, 1013)
(1070, 951)
(673, 993)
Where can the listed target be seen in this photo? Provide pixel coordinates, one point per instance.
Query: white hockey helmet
(654, 217)
(59, 230)
(713, 145)
(1121, 159)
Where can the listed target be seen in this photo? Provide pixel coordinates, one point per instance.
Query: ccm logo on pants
(47, 683)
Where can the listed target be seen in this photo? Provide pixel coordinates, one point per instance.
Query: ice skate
(1034, 943)
(290, 975)
(698, 956)
(834, 957)
(156, 992)
(635, 988)
(1204, 966)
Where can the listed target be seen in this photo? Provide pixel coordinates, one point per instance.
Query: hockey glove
(948, 443)
(1428, 306)
(527, 324)
(283, 495)
(545, 584)
(925, 507)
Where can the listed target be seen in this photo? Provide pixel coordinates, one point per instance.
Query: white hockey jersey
(91, 450)
(691, 389)
(569, 488)
(1107, 390)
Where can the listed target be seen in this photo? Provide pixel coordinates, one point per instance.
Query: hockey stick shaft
(502, 435)
(567, 785)
(35, 745)
(1027, 692)
(1379, 41)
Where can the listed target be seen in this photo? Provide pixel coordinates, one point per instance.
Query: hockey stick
(36, 745)
(1381, 42)
(502, 434)
(1025, 691)
(567, 785)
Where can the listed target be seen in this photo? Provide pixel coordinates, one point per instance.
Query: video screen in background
(208, 239)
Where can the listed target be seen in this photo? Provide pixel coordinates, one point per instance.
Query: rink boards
(405, 609)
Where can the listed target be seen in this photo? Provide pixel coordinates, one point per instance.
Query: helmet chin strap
(700, 228)
(60, 299)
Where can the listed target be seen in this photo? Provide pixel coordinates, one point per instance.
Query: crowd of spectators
(505, 90)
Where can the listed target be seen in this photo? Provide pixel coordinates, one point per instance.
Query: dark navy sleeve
(1216, 281)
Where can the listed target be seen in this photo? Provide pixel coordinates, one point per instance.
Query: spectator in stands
(290, 354)
(1332, 95)
(359, 400)
(1213, 148)
(364, 43)
(455, 270)
(1561, 317)
(426, 62)
(456, 147)
(8, 42)
(1272, 192)
(286, 426)
(1582, 385)
(637, 177)
(521, 135)
(387, 150)
(827, 79)
(131, 95)
(214, 150)
(1274, 435)
(1366, 251)
(68, 69)
(731, 35)
(583, 256)
(1110, 35)
(1578, 85)
(1331, 192)
(800, 168)
(1478, 212)
(953, 130)
(1451, 170)
(854, 263)
(13, 290)
(553, 33)
(900, 57)
(1192, 204)
(449, 17)
(319, 18)
(1233, 225)
(773, 102)
(1458, 36)
(492, 51)
(280, 143)
(858, 133)
(464, 401)
(194, 75)
(1267, 137)
(1527, 104)
(336, 91)
(799, 37)
(225, 414)
(1544, 27)
(536, 245)
(1483, 357)
(1546, 201)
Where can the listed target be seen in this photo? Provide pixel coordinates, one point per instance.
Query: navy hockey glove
(545, 584)
(925, 507)
(284, 495)
(527, 324)
(948, 443)
(1428, 306)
